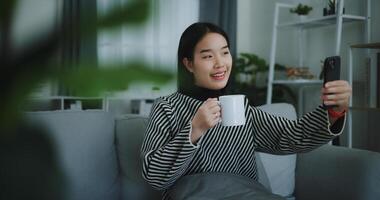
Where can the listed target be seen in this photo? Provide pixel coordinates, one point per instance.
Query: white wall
(255, 24)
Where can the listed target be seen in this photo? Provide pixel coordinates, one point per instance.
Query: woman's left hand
(337, 93)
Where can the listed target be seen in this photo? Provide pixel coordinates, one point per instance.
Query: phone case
(331, 71)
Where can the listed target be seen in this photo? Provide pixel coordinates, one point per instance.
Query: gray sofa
(99, 155)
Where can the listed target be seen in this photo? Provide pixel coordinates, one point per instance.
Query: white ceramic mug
(233, 113)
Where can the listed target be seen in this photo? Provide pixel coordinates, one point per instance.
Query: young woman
(184, 137)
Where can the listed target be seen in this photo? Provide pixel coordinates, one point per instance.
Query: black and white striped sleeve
(282, 136)
(165, 153)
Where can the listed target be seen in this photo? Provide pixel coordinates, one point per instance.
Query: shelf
(321, 21)
(375, 45)
(363, 108)
(298, 81)
(67, 103)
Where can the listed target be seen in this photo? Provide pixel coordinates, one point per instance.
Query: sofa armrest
(332, 172)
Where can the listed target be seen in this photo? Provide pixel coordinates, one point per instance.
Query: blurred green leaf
(6, 8)
(136, 12)
(89, 81)
(16, 91)
(22, 73)
(83, 81)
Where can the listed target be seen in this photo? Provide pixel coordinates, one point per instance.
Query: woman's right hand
(206, 117)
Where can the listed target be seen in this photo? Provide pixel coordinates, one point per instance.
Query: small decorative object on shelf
(301, 9)
(295, 73)
(331, 8)
(77, 105)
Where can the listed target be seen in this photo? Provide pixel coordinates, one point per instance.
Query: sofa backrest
(129, 130)
(275, 172)
(84, 141)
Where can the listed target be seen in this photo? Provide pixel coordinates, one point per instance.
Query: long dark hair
(189, 39)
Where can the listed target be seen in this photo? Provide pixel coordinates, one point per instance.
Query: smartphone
(331, 71)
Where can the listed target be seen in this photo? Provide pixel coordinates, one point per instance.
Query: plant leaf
(134, 13)
(89, 81)
(6, 9)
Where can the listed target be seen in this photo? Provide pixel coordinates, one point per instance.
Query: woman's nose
(219, 62)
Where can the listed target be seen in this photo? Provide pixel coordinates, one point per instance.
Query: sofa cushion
(279, 169)
(130, 130)
(85, 146)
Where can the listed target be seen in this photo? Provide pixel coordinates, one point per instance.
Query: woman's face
(212, 62)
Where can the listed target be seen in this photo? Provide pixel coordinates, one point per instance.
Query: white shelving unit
(297, 81)
(330, 20)
(321, 21)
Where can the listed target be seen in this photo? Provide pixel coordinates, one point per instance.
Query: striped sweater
(168, 153)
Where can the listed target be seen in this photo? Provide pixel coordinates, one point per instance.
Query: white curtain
(155, 42)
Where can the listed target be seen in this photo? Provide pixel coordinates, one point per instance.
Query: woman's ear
(188, 64)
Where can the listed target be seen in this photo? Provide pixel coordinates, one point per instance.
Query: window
(154, 42)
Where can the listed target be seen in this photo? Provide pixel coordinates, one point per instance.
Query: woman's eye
(207, 56)
(226, 53)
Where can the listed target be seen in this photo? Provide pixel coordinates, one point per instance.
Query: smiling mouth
(219, 75)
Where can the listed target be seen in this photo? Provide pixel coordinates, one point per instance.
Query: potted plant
(302, 10)
(250, 78)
